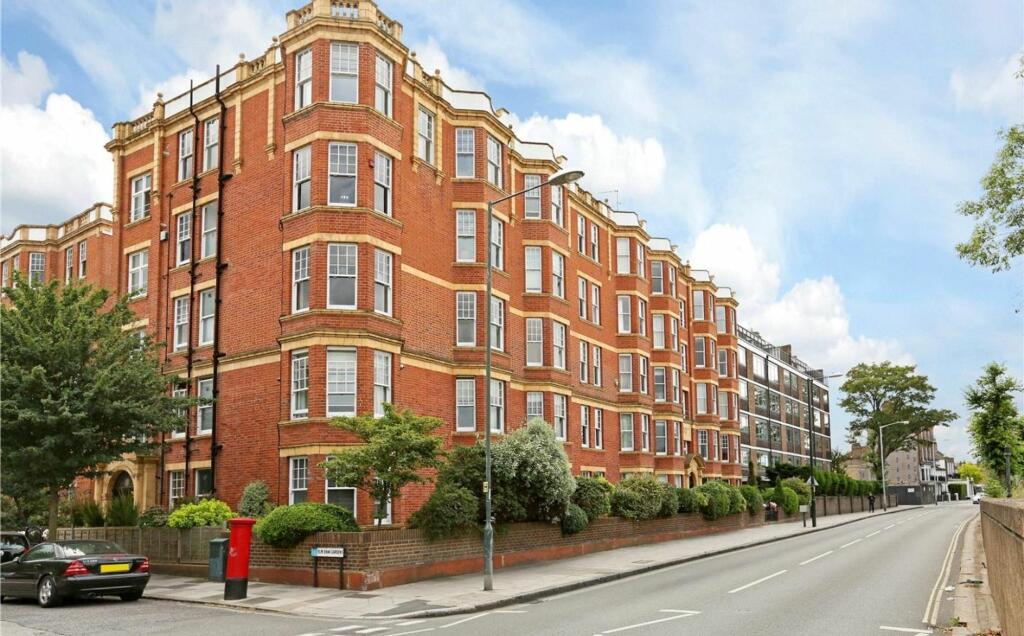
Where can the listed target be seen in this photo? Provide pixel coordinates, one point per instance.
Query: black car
(51, 572)
(13, 544)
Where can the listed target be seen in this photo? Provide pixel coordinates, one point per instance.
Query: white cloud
(169, 88)
(432, 57)
(611, 161)
(52, 160)
(990, 88)
(205, 34)
(25, 83)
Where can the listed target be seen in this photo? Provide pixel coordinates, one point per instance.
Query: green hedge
(669, 501)
(287, 526)
(449, 509)
(755, 503)
(638, 498)
(800, 487)
(786, 498)
(593, 495)
(208, 512)
(691, 499)
(719, 499)
(574, 520)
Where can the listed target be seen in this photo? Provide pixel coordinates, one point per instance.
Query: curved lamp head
(565, 177)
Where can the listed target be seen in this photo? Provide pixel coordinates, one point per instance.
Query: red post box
(236, 580)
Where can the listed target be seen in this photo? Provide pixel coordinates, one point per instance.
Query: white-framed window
(6, 273)
(69, 264)
(645, 432)
(534, 342)
(382, 288)
(185, 149)
(657, 277)
(342, 270)
(36, 267)
(660, 388)
(341, 173)
(300, 384)
(382, 183)
(661, 437)
(641, 266)
(677, 438)
(176, 486)
(341, 381)
(298, 479)
(672, 281)
(338, 495)
(699, 355)
(625, 372)
(138, 272)
(595, 303)
(596, 361)
(698, 305)
(658, 330)
(184, 238)
(465, 404)
(83, 258)
(561, 409)
(497, 243)
(211, 143)
(532, 263)
(581, 234)
(465, 152)
(142, 189)
(344, 72)
(676, 388)
(702, 398)
(644, 369)
(720, 318)
(465, 236)
(465, 319)
(723, 405)
(181, 413)
(625, 314)
(557, 274)
(581, 297)
(208, 247)
(641, 315)
(584, 426)
(584, 364)
(531, 199)
(626, 431)
(557, 215)
(497, 324)
(724, 448)
(494, 162)
(425, 136)
(204, 411)
(204, 482)
(207, 309)
(300, 279)
(598, 428)
(534, 405)
(381, 382)
(382, 80)
(673, 334)
(181, 320)
(497, 412)
(622, 262)
(684, 356)
(702, 443)
(723, 363)
(303, 78)
(595, 244)
(300, 178)
(558, 331)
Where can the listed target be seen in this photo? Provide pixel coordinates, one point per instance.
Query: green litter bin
(218, 559)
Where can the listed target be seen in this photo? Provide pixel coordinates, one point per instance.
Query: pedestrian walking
(871, 502)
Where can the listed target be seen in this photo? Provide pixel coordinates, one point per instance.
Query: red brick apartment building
(308, 238)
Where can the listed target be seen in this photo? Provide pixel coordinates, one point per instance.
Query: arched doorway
(123, 485)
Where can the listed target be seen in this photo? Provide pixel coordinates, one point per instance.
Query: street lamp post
(881, 462)
(557, 180)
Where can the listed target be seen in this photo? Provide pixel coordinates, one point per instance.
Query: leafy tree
(839, 460)
(396, 449)
(996, 427)
(78, 390)
(972, 472)
(998, 235)
(879, 394)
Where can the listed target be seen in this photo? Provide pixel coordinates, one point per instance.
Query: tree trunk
(54, 504)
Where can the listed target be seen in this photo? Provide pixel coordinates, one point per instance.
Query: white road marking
(680, 611)
(465, 620)
(371, 630)
(408, 623)
(823, 554)
(891, 525)
(762, 580)
(873, 534)
(345, 628)
(934, 599)
(905, 629)
(415, 631)
(312, 634)
(659, 620)
(509, 611)
(849, 544)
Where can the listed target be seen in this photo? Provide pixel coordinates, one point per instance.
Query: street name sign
(327, 553)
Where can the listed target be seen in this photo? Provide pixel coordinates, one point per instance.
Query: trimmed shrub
(800, 487)
(691, 499)
(669, 501)
(719, 499)
(737, 502)
(593, 496)
(122, 511)
(255, 501)
(637, 498)
(574, 520)
(786, 498)
(287, 526)
(449, 509)
(153, 517)
(208, 512)
(755, 503)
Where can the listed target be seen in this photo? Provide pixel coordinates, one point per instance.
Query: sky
(811, 154)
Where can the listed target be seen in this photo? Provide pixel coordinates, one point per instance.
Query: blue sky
(809, 153)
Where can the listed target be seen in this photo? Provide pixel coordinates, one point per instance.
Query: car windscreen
(13, 542)
(85, 548)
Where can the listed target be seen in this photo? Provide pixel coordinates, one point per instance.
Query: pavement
(519, 584)
(973, 607)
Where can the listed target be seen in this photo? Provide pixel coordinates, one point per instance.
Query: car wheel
(46, 593)
(132, 596)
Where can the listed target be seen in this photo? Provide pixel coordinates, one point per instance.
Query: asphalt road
(856, 579)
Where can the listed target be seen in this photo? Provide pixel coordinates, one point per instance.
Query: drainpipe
(215, 448)
(192, 266)
(168, 316)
